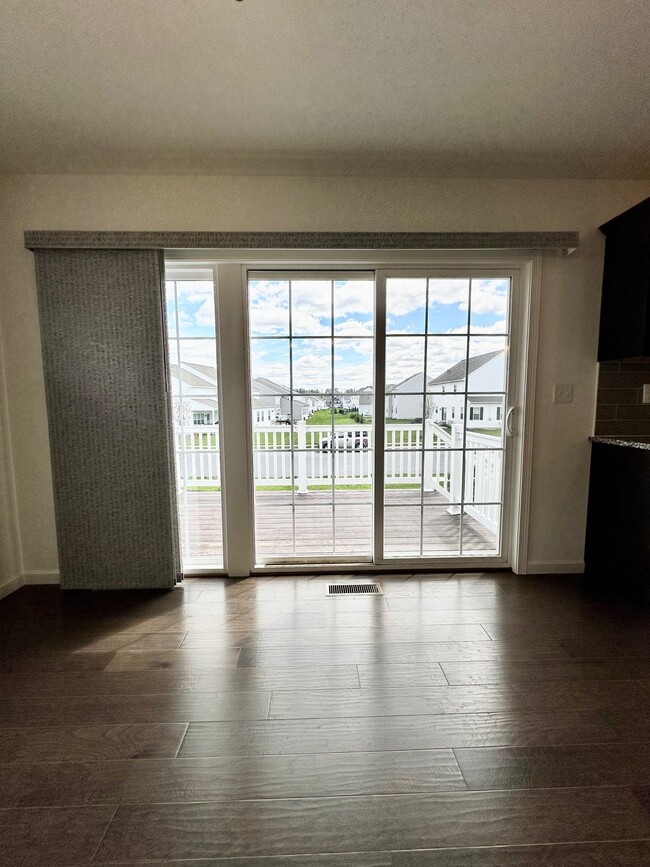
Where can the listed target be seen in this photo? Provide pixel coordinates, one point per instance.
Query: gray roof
(189, 377)
(457, 371)
(269, 385)
(397, 385)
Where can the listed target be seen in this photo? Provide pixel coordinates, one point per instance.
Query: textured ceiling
(492, 88)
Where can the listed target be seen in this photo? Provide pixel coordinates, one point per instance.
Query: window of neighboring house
(455, 387)
(443, 389)
(453, 412)
(462, 414)
(476, 413)
(202, 417)
(498, 413)
(443, 413)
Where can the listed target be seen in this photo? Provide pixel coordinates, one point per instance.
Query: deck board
(201, 525)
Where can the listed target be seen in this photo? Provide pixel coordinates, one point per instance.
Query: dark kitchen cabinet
(625, 310)
(617, 550)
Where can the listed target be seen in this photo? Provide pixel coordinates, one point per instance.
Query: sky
(332, 323)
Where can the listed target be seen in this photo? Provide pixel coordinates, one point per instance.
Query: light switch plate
(562, 393)
(646, 393)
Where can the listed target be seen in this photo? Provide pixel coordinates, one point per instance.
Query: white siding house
(445, 403)
(280, 396)
(366, 401)
(195, 404)
(486, 375)
(404, 400)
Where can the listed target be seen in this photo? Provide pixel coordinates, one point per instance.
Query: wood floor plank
(392, 653)
(63, 784)
(349, 859)
(52, 836)
(178, 679)
(91, 743)
(293, 776)
(228, 778)
(103, 710)
(636, 645)
(23, 663)
(312, 825)
(344, 735)
(498, 604)
(363, 633)
(628, 853)
(597, 629)
(534, 671)
(584, 695)
(401, 675)
(546, 767)
(628, 726)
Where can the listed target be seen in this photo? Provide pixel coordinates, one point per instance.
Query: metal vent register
(353, 589)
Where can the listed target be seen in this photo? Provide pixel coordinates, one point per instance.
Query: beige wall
(10, 562)
(569, 317)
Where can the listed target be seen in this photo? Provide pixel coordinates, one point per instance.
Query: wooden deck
(349, 533)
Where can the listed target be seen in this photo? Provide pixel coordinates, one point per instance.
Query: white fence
(312, 462)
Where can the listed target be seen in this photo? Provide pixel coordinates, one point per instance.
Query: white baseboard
(555, 567)
(27, 578)
(11, 586)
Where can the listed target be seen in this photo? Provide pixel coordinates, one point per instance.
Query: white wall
(10, 562)
(569, 317)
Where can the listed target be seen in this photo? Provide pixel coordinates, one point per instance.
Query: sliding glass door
(446, 349)
(311, 384)
(379, 407)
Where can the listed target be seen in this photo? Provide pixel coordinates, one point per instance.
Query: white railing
(312, 462)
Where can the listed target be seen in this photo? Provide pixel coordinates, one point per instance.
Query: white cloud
(405, 295)
(499, 327)
(354, 327)
(490, 296)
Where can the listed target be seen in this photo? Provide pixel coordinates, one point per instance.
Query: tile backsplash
(619, 411)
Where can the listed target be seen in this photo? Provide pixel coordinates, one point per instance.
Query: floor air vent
(354, 589)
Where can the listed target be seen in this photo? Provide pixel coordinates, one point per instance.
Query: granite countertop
(612, 441)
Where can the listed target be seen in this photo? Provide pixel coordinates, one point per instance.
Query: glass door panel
(312, 392)
(192, 353)
(446, 376)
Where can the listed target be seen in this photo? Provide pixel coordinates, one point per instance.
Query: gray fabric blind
(104, 356)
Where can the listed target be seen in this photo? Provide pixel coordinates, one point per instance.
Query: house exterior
(404, 400)
(270, 401)
(285, 408)
(486, 374)
(445, 401)
(366, 401)
(196, 406)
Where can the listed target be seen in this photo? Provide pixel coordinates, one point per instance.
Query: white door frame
(230, 273)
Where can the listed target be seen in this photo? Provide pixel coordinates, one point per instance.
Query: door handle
(510, 426)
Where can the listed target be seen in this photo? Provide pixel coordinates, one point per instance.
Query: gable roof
(457, 371)
(398, 385)
(270, 385)
(188, 373)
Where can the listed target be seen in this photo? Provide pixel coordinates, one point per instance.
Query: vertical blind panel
(102, 331)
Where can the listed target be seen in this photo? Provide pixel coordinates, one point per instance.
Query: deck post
(427, 463)
(300, 457)
(456, 469)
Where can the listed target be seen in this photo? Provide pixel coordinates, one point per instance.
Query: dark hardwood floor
(480, 720)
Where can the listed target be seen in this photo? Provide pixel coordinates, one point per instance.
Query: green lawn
(489, 431)
(324, 416)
